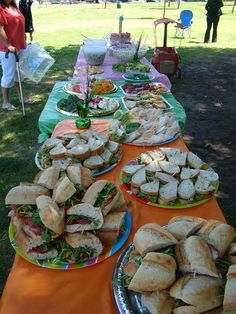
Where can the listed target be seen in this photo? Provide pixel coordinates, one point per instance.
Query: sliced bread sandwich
(81, 151)
(169, 167)
(58, 151)
(194, 161)
(204, 188)
(210, 175)
(150, 190)
(168, 194)
(94, 162)
(188, 173)
(186, 192)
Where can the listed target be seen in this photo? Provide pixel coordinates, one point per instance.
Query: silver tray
(127, 302)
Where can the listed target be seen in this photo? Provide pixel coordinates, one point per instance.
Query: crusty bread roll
(152, 237)
(63, 190)
(193, 255)
(232, 253)
(157, 272)
(183, 226)
(80, 175)
(48, 177)
(188, 309)
(202, 292)
(218, 234)
(51, 215)
(25, 194)
(158, 302)
(229, 303)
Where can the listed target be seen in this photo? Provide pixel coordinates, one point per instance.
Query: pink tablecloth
(117, 76)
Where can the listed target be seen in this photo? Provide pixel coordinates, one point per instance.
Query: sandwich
(83, 217)
(106, 156)
(152, 168)
(75, 142)
(229, 303)
(113, 147)
(186, 192)
(204, 189)
(185, 309)
(201, 292)
(139, 178)
(165, 178)
(156, 155)
(87, 134)
(94, 162)
(25, 194)
(217, 234)
(168, 193)
(210, 175)
(111, 227)
(169, 167)
(80, 175)
(63, 190)
(194, 161)
(170, 151)
(61, 163)
(58, 151)
(157, 302)
(152, 237)
(156, 272)
(194, 256)
(178, 159)
(69, 136)
(128, 171)
(103, 138)
(188, 173)
(104, 194)
(182, 227)
(46, 220)
(79, 152)
(145, 158)
(79, 247)
(52, 142)
(150, 191)
(232, 254)
(48, 177)
(34, 247)
(96, 146)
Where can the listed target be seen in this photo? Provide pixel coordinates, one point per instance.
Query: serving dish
(98, 107)
(172, 185)
(138, 77)
(130, 89)
(131, 66)
(146, 100)
(54, 264)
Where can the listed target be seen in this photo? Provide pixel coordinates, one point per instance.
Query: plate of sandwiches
(169, 178)
(146, 100)
(130, 89)
(91, 149)
(185, 267)
(144, 127)
(59, 224)
(98, 106)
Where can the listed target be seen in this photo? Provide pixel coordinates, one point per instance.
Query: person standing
(25, 8)
(12, 40)
(214, 12)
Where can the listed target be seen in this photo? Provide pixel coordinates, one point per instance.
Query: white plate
(150, 78)
(169, 106)
(154, 83)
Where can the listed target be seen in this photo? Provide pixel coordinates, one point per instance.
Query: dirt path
(208, 93)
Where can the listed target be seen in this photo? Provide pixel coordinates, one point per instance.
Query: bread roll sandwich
(217, 234)
(48, 177)
(79, 247)
(157, 302)
(232, 253)
(80, 175)
(185, 309)
(157, 272)
(34, 247)
(193, 255)
(152, 237)
(110, 229)
(63, 190)
(201, 292)
(25, 194)
(182, 227)
(229, 304)
(83, 217)
(104, 194)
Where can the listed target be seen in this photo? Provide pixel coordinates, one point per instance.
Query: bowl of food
(95, 42)
(94, 55)
(123, 54)
(137, 77)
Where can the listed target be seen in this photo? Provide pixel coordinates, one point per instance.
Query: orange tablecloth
(34, 290)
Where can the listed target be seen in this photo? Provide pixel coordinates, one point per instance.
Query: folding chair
(184, 23)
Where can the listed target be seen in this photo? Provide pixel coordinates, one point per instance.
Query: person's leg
(7, 80)
(208, 30)
(215, 25)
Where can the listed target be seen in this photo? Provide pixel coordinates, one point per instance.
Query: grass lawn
(58, 28)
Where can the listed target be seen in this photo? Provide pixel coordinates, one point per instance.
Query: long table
(35, 290)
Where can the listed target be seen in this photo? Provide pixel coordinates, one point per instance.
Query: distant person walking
(214, 12)
(25, 8)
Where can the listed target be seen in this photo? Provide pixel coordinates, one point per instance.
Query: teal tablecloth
(50, 116)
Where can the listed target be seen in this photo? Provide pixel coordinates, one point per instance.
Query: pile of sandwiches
(168, 176)
(93, 150)
(186, 267)
(65, 215)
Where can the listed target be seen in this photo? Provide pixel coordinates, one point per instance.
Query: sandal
(8, 107)
(28, 101)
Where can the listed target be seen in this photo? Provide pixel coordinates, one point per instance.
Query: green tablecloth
(50, 116)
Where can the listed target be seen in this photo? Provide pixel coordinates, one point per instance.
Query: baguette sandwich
(158, 302)
(229, 303)
(48, 177)
(79, 247)
(83, 217)
(201, 292)
(104, 194)
(152, 237)
(63, 190)
(232, 253)
(193, 255)
(80, 175)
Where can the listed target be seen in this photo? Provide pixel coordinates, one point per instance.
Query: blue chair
(184, 23)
